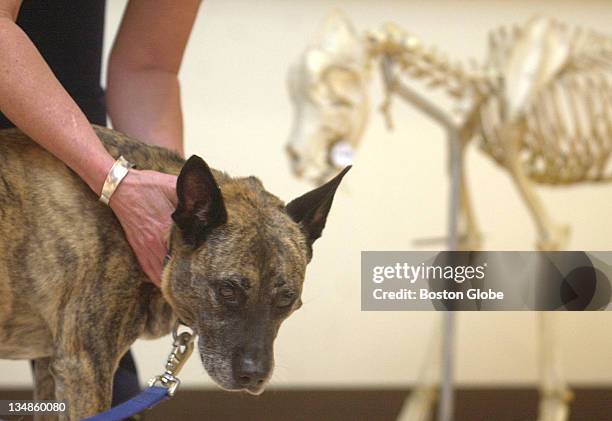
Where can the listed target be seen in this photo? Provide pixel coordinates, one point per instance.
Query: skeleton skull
(328, 90)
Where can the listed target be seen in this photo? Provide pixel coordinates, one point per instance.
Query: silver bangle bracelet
(115, 176)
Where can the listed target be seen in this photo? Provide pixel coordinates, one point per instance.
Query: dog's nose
(250, 373)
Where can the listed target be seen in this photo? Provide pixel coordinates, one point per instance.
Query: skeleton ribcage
(567, 131)
(566, 127)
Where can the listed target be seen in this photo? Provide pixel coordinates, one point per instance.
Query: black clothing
(69, 36)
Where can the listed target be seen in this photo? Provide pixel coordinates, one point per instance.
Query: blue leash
(152, 395)
(148, 398)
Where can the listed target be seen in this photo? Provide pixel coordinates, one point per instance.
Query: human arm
(143, 91)
(34, 100)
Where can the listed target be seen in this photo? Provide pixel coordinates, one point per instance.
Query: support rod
(446, 402)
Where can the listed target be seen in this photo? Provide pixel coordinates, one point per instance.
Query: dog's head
(237, 264)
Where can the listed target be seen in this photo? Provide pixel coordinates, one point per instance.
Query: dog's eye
(285, 299)
(227, 292)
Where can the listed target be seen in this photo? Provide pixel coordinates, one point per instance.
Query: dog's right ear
(200, 203)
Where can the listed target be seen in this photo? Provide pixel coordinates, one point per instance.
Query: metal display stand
(447, 396)
(416, 408)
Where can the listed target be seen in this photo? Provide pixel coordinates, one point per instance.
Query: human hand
(143, 203)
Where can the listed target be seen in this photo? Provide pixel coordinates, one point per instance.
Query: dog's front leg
(85, 383)
(44, 386)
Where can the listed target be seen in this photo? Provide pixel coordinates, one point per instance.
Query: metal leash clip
(182, 347)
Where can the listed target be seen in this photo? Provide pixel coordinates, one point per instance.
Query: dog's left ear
(200, 203)
(311, 209)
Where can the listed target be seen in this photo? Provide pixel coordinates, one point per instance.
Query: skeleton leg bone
(469, 237)
(418, 406)
(551, 236)
(554, 391)
(555, 395)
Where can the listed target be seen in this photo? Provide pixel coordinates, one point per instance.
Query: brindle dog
(72, 295)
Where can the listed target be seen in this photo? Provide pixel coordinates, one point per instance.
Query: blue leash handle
(146, 399)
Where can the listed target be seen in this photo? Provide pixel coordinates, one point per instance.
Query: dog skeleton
(541, 108)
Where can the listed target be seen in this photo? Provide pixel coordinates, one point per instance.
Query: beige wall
(237, 116)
